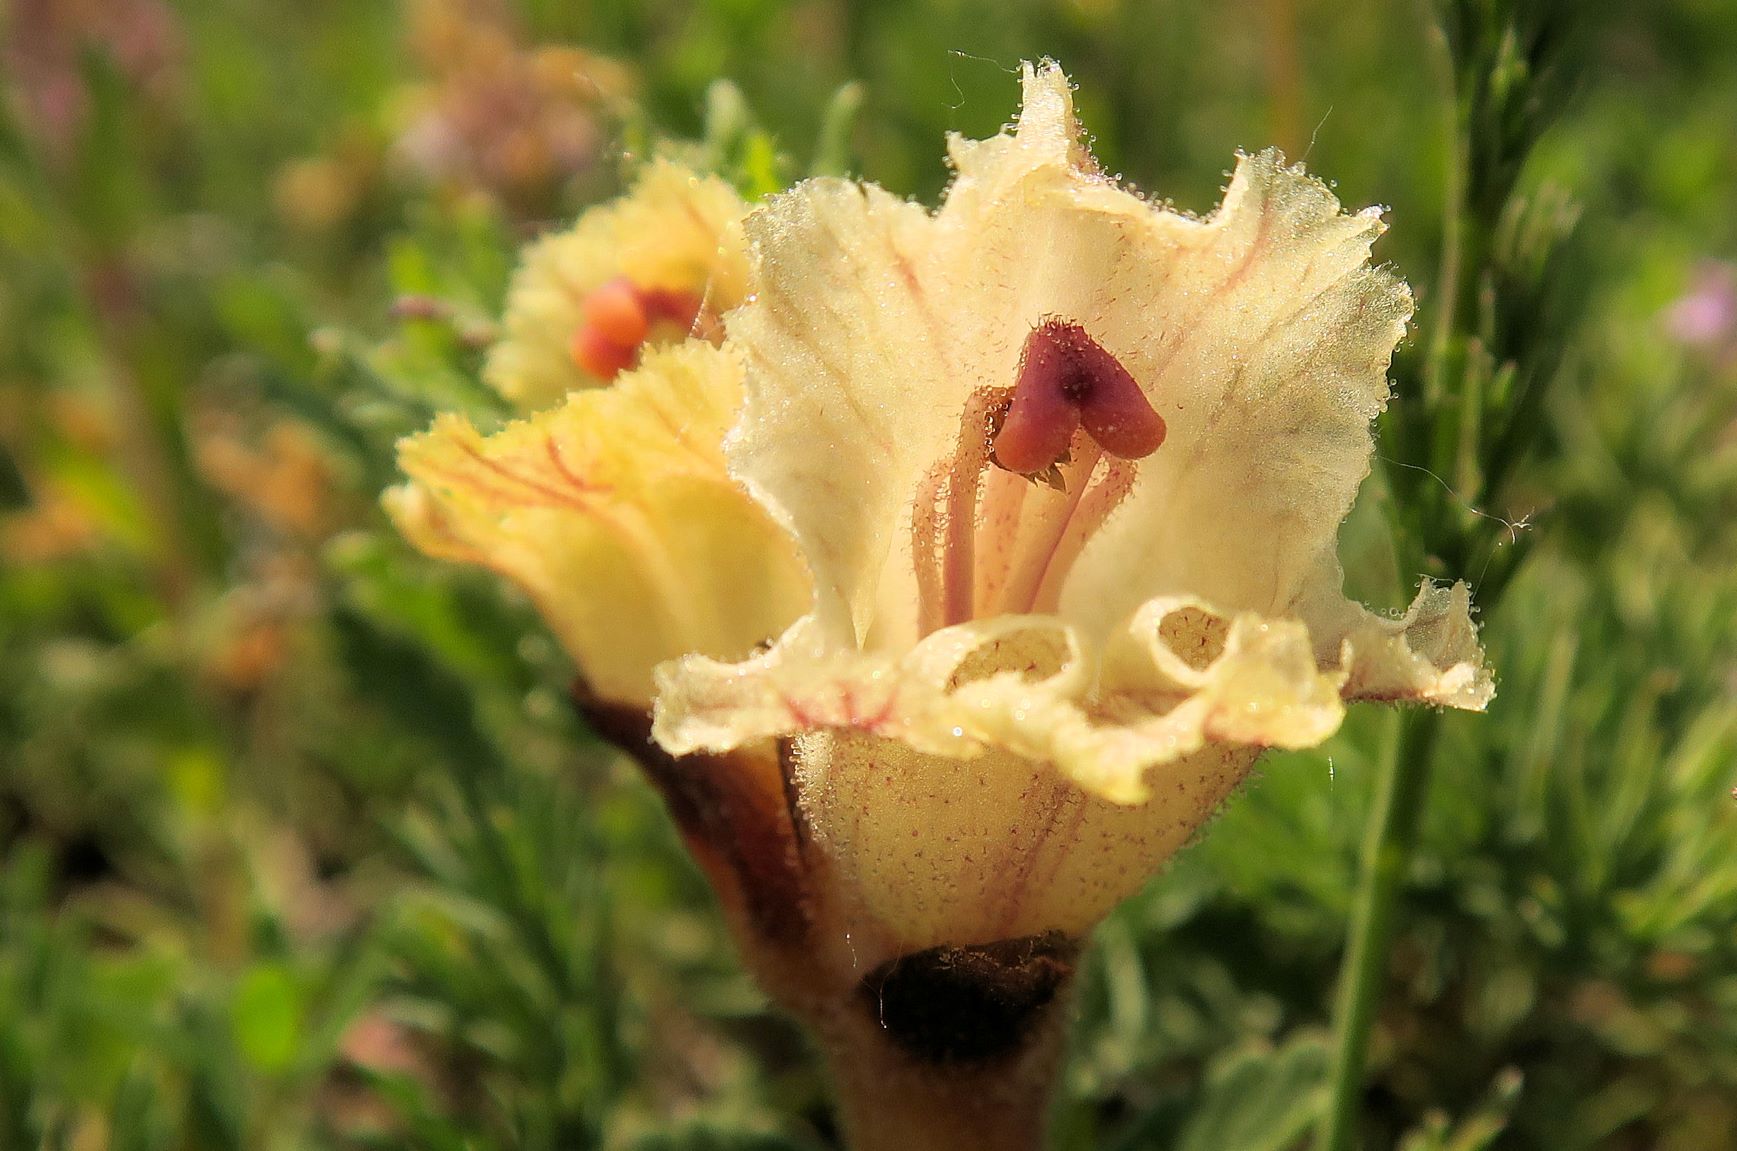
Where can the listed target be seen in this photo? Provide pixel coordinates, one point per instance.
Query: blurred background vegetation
(300, 846)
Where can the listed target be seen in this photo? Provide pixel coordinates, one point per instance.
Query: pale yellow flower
(657, 265)
(1020, 552)
(614, 513)
(1066, 469)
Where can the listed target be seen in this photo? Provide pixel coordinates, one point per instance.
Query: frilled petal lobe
(1429, 655)
(615, 515)
(673, 232)
(1266, 349)
(836, 429)
(1179, 677)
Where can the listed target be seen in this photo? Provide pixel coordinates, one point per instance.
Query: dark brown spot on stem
(969, 1005)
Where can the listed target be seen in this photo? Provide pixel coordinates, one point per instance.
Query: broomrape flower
(1067, 471)
(659, 264)
(1019, 551)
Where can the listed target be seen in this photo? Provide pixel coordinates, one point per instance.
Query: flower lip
(1067, 380)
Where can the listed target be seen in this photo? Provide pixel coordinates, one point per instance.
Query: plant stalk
(1448, 289)
(1389, 842)
(888, 1101)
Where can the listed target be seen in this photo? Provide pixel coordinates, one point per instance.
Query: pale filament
(1044, 527)
(1106, 493)
(964, 486)
(1004, 497)
(1003, 544)
(926, 517)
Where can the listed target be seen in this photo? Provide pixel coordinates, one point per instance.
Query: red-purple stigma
(1067, 381)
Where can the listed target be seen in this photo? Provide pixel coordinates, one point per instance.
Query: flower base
(952, 1047)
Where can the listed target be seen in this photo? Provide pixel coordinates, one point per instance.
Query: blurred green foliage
(300, 845)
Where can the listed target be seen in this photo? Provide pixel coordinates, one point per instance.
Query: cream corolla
(1066, 470)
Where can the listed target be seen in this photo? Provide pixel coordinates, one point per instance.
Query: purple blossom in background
(1705, 315)
(42, 44)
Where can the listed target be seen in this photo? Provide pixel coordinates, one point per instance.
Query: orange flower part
(654, 267)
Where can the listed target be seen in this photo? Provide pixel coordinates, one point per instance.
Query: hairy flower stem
(890, 1101)
(940, 1048)
(1447, 288)
(1389, 842)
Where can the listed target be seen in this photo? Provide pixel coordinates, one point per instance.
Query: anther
(1067, 381)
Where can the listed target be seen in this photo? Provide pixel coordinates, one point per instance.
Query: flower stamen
(926, 559)
(944, 520)
(1087, 517)
(1044, 528)
(1004, 498)
(964, 486)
